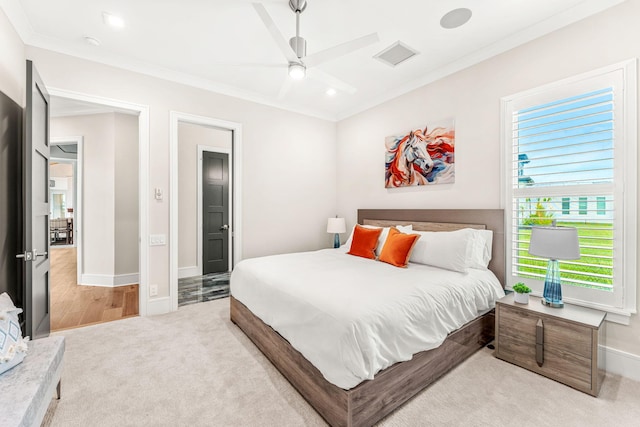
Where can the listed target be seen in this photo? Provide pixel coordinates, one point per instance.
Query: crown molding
(18, 18)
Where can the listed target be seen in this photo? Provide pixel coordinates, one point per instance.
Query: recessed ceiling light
(455, 18)
(92, 41)
(112, 20)
(331, 92)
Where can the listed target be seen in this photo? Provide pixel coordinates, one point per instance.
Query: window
(582, 205)
(574, 141)
(601, 205)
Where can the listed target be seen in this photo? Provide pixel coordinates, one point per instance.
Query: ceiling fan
(295, 52)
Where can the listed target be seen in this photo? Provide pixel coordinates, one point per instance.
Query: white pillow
(444, 249)
(479, 252)
(383, 235)
(13, 347)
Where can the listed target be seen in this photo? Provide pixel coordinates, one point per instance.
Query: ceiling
(208, 43)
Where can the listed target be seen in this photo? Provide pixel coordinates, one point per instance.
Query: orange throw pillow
(364, 242)
(397, 249)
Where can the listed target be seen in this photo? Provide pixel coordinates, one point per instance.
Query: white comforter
(351, 316)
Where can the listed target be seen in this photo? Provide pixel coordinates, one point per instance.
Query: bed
(372, 399)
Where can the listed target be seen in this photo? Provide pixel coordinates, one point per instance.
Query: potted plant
(521, 293)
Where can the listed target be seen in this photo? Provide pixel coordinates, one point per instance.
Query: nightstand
(564, 344)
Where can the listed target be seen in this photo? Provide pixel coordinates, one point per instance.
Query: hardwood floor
(74, 305)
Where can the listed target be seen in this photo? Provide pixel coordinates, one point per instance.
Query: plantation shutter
(562, 162)
(570, 157)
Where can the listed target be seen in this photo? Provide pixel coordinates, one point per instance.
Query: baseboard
(160, 305)
(188, 272)
(110, 281)
(126, 279)
(622, 363)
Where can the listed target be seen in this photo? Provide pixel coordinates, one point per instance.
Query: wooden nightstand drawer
(559, 336)
(569, 341)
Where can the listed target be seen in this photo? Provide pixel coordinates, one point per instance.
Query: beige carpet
(195, 368)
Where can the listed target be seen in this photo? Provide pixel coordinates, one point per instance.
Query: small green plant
(521, 288)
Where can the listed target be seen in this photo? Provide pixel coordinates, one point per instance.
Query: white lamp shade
(336, 225)
(555, 242)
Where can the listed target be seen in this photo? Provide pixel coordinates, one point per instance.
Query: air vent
(396, 54)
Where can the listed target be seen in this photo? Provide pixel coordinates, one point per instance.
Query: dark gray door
(36, 206)
(215, 215)
(11, 199)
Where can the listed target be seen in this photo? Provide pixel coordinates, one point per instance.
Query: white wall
(472, 97)
(98, 180)
(110, 192)
(12, 62)
(126, 212)
(289, 175)
(189, 137)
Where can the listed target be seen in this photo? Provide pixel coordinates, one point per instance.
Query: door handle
(224, 227)
(540, 343)
(30, 256)
(36, 254)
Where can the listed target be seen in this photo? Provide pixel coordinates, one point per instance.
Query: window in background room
(578, 138)
(58, 205)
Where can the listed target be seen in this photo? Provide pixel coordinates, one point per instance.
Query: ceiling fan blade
(275, 33)
(331, 81)
(340, 50)
(287, 85)
(249, 64)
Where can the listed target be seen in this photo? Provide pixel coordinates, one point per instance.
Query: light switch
(157, 240)
(158, 193)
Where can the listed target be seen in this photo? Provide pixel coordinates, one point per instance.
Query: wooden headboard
(446, 220)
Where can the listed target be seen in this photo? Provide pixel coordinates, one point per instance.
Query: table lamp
(554, 243)
(336, 225)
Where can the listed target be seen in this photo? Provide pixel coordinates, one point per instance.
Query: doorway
(204, 238)
(204, 229)
(95, 262)
(65, 196)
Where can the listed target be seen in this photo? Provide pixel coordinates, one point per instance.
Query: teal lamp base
(552, 294)
(336, 241)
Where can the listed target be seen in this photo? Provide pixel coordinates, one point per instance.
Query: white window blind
(594, 269)
(565, 143)
(570, 157)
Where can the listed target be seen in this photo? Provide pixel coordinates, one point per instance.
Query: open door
(36, 207)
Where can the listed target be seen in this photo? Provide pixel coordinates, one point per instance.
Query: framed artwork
(421, 157)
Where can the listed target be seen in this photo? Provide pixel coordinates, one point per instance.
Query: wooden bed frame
(372, 400)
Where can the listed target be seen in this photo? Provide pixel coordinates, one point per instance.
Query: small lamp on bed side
(554, 243)
(336, 225)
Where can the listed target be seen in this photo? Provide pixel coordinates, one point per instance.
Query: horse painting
(421, 157)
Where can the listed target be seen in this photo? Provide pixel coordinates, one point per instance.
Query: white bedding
(351, 316)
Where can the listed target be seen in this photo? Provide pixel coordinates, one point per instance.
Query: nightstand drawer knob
(540, 342)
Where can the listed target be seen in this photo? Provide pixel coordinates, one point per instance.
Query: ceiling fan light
(112, 20)
(297, 71)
